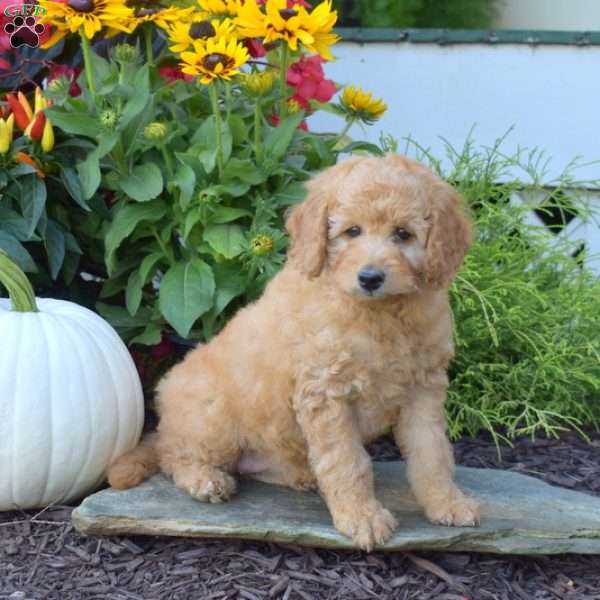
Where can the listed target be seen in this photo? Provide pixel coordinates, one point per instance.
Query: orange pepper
(21, 117)
(21, 157)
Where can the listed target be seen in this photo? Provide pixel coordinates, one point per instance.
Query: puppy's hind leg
(197, 442)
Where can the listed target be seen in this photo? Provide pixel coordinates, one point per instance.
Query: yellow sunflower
(214, 59)
(184, 34)
(293, 25)
(90, 16)
(361, 105)
(220, 8)
(162, 17)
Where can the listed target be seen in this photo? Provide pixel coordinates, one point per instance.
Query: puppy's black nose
(371, 279)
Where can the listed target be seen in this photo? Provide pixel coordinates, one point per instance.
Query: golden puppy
(353, 337)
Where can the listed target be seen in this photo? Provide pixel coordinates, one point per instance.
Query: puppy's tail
(135, 466)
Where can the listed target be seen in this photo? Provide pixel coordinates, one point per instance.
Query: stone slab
(520, 515)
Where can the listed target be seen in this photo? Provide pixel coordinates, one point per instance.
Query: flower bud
(155, 131)
(259, 82)
(125, 54)
(261, 244)
(109, 119)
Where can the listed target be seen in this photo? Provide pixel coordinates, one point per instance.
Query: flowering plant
(190, 154)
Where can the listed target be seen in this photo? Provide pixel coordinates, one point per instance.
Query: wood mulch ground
(41, 557)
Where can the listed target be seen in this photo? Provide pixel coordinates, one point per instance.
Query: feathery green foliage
(527, 313)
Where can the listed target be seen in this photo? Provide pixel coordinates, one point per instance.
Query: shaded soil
(41, 557)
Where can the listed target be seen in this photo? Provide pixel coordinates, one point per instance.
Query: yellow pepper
(48, 137)
(6, 133)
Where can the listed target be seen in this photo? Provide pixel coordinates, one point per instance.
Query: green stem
(168, 159)
(212, 90)
(349, 124)
(257, 132)
(164, 249)
(87, 61)
(149, 47)
(19, 289)
(283, 80)
(228, 99)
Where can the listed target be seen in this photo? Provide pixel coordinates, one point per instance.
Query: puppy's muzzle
(371, 279)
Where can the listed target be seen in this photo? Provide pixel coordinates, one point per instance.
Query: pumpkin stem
(16, 283)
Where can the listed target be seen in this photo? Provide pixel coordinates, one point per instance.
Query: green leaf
(362, 146)
(118, 316)
(89, 175)
(73, 123)
(227, 240)
(149, 337)
(291, 194)
(185, 180)
(17, 252)
(13, 223)
(186, 292)
(55, 248)
(278, 140)
(144, 183)
(207, 156)
(33, 201)
(206, 136)
(125, 221)
(239, 130)
(148, 264)
(226, 214)
(246, 170)
(139, 99)
(73, 185)
(133, 293)
(192, 217)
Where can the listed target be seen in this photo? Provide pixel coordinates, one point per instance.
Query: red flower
(164, 348)
(70, 73)
(172, 74)
(275, 120)
(255, 47)
(308, 78)
(5, 65)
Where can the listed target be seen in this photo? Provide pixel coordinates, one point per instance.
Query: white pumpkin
(70, 397)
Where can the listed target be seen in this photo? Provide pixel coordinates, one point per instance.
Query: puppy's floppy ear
(449, 237)
(308, 227)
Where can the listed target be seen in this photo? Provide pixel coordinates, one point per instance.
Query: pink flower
(71, 73)
(163, 349)
(308, 78)
(255, 47)
(172, 74)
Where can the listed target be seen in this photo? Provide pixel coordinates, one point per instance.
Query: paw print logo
(24, 31)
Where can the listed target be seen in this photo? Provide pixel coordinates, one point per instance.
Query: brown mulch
(41, 557)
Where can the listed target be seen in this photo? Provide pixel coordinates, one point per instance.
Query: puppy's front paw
(457, 511)
(366, 526)
(208, 485)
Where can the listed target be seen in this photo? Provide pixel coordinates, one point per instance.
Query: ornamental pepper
(35, 129)
(6, 133)
(21, 117)
(21, 157)
(48, 137)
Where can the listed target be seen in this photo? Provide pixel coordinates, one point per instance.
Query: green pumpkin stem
(16, 283)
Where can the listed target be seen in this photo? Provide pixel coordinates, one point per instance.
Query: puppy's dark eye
(354, 231)
(401, 235)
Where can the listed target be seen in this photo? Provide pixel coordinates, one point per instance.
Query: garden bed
(41, 557)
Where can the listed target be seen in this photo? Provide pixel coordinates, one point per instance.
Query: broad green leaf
(13, 223)
(89, 176)
(278, 140)
(149, 337)
(206, 136)
(239, 130)
(185, 180)
(362, 146)
(206, 155)
(226, 214)
(73, 185)
(118, 316)
(17, 252)
(55, 248)
(186, 292)
(148, 264)
(73, 123)
(192, 217)
(125, 221)
(140, 97)
(33, 201)
(246, 170)
(291, 194)
(144, 183)
(133, 293)
(227, 240)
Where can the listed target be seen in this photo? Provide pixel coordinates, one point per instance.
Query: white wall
(549, 94)
(578, 15)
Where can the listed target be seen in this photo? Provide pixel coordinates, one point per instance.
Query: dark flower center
(147, 12)
(288, 13)
(202, 30)
(211, 61)
(84, 6)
